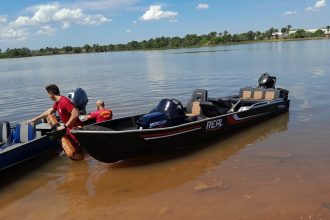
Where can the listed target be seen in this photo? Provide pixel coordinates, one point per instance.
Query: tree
(318, 33)
(328, 28)
(87, 48)
(212, 34)
(284, 30)
(133, 45)
(176, 42)
(270, 32)
(190, 40)
(68, 49)
(77, 50)
(250, 35)
(227, 38)
(259, 35)
(301, 33)
(289, 28)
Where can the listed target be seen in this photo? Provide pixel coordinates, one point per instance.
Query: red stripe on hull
(170, 132)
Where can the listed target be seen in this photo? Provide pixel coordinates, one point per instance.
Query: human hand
(62, 127)
(31, 121)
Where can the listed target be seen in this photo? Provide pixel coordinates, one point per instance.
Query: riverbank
(25, 52)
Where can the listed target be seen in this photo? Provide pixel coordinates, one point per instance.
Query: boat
(170, 126)
(24, 142)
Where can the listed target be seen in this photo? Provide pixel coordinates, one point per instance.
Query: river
(278, 169)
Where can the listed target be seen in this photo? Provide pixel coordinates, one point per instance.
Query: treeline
(190, 40)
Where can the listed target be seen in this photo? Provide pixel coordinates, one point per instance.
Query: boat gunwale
(13, 146)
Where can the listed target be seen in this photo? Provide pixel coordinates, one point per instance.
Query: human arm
(43, 115)
(72, 120)
(91, 115)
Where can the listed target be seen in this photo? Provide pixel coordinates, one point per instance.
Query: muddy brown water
(277, 169)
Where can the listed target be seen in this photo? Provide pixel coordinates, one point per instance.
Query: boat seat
(193, 107)
(4, 132)
(259, 93)
(24, 132)
(196, 109)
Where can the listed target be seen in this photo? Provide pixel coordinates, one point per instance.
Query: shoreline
(172, 48)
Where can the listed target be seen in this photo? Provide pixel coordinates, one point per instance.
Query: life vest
(68, 147)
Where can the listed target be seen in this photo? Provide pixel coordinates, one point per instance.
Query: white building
(310, 30)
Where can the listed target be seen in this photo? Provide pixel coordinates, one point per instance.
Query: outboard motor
(266, 81)
(153, 120)
(167, 113)
(79, 98)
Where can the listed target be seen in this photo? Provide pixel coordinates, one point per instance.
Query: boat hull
(21, 152)
(110, 146)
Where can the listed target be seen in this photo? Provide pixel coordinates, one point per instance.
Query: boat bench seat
(24, 132)
(259, 93)
(4, 132)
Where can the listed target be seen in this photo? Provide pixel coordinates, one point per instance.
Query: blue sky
(41, 23)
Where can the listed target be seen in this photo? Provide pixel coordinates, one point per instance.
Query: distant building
(278, 35)
(311, 31)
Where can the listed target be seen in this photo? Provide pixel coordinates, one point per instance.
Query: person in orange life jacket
(67, 111)
(101, 114)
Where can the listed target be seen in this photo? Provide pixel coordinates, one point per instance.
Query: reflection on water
(155, 67)
(277, 169)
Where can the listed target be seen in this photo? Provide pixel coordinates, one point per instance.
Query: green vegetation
(190, 40)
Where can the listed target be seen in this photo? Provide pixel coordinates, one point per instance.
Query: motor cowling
(79, 98)
(266, 81)
(153, 120)
(166, 113)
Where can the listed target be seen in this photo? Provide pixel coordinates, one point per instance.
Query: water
(278, 169)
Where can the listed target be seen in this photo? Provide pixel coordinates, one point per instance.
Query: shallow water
(278, 169)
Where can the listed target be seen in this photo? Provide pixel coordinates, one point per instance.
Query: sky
(41, 23)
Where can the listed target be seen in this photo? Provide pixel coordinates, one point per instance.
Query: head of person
(52, 91)
(99, 104)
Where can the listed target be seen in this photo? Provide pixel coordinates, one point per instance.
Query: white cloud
(3, 19)
(290, 13)
(66, 14)
(46, 30)
(22, 21)
(134, 22)
(104, 4)
(155, 13)
(202, 6)
(317, 7)
(45, 15)
(320, 4)
(11, 34)
(309, 8)
(66, 25)
(128, 31)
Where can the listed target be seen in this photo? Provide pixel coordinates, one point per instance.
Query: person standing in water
(65, 108)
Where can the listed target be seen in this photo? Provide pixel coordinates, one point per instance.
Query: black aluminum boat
(171, 126)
